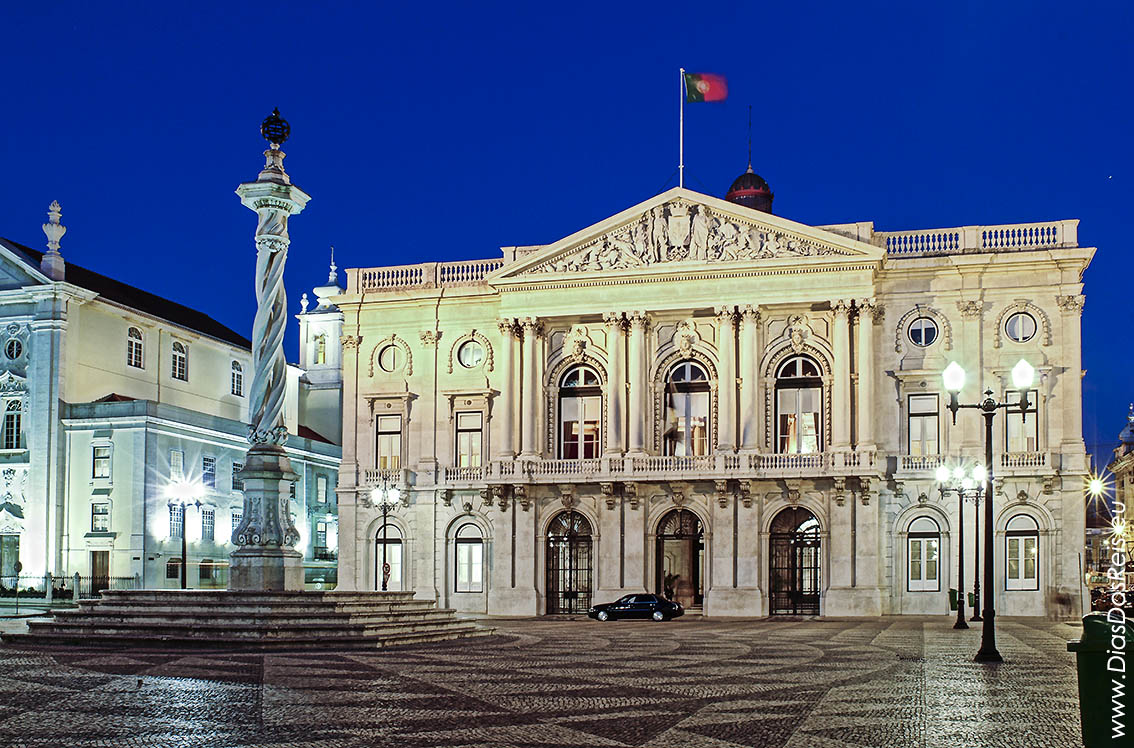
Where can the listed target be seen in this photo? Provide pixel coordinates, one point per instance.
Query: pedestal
(265, 559)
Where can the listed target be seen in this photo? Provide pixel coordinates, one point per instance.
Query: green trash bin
(1096, 694)
(952, 599)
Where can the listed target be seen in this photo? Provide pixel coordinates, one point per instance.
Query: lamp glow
(1023, 374)
(967, 484)
(376, 495)
(958, 473)
(953, 377)
(980, 474)
(942, 474)
(1095, 486)
(394, 494)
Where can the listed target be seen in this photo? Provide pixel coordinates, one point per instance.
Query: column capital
(970, 308)
(840, 308)
(638, 320)
(725, 314)
(1071, 304)
(532, 327)
(870, 309)
(507, 326)
(615, 320)
(749, 313)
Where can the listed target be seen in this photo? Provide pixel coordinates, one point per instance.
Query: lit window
(1022, 434)
(320, 536)
(923, 428)
(176, 464)
(208, 524)
(799, 403)
(470, 559)
(134, 348)
(321, 489)
(469, 439)
(180, 363)
(687, 410)
(923, 331)
(100, 517)
(924, 543)
(391, 358)
(13, 412)
(580, 408)
(237, 518)
(320, 349)
(470, 354)
(237, 379)
(176, 520)
(209, 471)
(100, 459)
(173, 568)
(1020, 327)
(1021, 541)
(389, 442)
(237, 482)
(388, 546)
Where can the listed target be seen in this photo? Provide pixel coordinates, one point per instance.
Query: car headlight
(592, 610)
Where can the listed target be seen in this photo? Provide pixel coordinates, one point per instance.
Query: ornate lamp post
(183, 494)
(265, 558)
(954, 379)
(980, 476)
(385, 497)
(966, 487)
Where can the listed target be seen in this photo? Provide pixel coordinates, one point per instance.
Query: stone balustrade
(422, 275)
(1014, 237)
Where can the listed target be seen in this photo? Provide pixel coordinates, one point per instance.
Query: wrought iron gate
(795, 563)
(569, 565)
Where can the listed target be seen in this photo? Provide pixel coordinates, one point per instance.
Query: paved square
(890, 682)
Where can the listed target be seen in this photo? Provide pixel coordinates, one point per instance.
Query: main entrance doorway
(681, 557)
(569, 553)
(795, 563)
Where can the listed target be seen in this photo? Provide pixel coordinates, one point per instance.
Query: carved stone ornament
(12, 383)
(923, 498)
(686, 337)
(721, 487)
(970, 308)
(430, 337)
(607, 490)
(1070, 304)
(487, 497)
(630, 493)
(500, 494)
(446, 495)
(1043, 324)
(395, 341)
(747, 493)
(679, 231)
(792, 491)
(798, 331)
(678, 499)
(1022, 496)
(350, 341)
(864, 491)
(840, 491)
(485, 345)
(1049, 485)
(576, 343)
(520, 496)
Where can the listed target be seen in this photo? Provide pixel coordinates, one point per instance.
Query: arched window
(1021, 557)
(12, 418)
(687, 410)
(924, 547)
(180, 362)
(469, 559)
(799, 406)
(580, 408)
(388, 551)
(237, 379)
(320, 349)
(134, 348)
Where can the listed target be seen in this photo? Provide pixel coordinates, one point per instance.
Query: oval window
(391, 358)
(13, 349)
(923, 331)
(470, 355)
(1020, 327)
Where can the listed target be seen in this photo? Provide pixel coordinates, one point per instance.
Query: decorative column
(639, 323)
(616, 386)
(265, 558)
(1071, 313)
(529, 444)
(726, 381)
(867, 311)
(505, 410)
(840, 390)
(749, 378)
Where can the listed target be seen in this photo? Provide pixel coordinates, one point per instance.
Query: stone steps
(217, 618)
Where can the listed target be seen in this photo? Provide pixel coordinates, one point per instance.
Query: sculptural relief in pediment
(681, 231)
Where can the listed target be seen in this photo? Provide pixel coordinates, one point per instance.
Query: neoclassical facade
(699, 398)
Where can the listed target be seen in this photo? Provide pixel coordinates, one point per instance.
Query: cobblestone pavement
(891, 682)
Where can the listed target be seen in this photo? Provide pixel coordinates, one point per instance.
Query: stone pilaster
(840, 388)
(726, 382)
(867, 312)
(639, 387)
(749, 378)
(530, 392)
(505, 411)
(1072, 447)
(616, 385)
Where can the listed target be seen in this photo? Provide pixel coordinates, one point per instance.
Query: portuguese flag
(705, 87)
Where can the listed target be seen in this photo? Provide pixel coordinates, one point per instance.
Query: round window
(391, 358)
(13, 349)
(923, 331)
(470, 354)
(1020, 327)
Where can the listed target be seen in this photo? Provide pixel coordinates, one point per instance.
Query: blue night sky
(523, 124)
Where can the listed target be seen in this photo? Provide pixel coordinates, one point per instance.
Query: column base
(266, 569)
(739, 601)
(513, 602)
(853, 601)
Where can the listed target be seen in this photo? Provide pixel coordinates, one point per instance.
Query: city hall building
(699, 398)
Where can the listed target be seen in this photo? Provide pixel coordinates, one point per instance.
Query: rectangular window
(179, 365)
(176, 520)
(1022, 434)
(923, 564)
(579, 427)
(470, 565)
(206, 570)
(176, 464)
(389, 443)
(923, 425)
(173, 568)
(100, 517)
(237, 483)
(209, 471)
(134, 348)
(687, 424)
(100, 459)
(1022, 561)
(208, 524)
(12, 417)
(321, 489)
(797, 422)
(237, 379)
(321, 536)
(469, 439)
(237, 518)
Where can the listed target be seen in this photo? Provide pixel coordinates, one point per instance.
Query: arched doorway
(569, 565)
(388, 551)
(795, 561)
(680, 559)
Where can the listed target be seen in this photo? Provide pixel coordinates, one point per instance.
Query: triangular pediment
(681, 230)
(16, 271)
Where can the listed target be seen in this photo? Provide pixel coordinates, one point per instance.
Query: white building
(700, 398)
(110, 395)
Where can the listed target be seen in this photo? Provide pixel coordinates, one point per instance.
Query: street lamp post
(980, 475)
(385, 497)
(183, 495)
(954, 379)
(966, 487)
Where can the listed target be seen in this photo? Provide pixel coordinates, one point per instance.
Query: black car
(637, 606)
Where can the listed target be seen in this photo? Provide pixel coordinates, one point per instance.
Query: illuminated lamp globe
(1095, 486)
(1023, 374)
(958, 473)
(954, 377)
(980, 474)
(942, 474)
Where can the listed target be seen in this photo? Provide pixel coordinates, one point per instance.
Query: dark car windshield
(644, 599)
(626, 599)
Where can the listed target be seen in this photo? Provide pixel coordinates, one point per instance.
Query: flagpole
(681, 134)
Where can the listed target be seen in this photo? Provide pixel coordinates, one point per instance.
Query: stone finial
(52, 263)
(333, 277)
(303, 304)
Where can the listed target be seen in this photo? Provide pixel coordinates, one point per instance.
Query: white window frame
(101, 455)
(469, 452)
(1014, 421)
(208, 524)
(176, 464)
(135, 348)
(237, 383)
(208, 471)
(321, 489)
(923, 554)
(468, 559)
(179, 361)
(104, 515)
(923, 416)
(388, 441)
(12, 437)
(1020, 541)
(176, 521)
